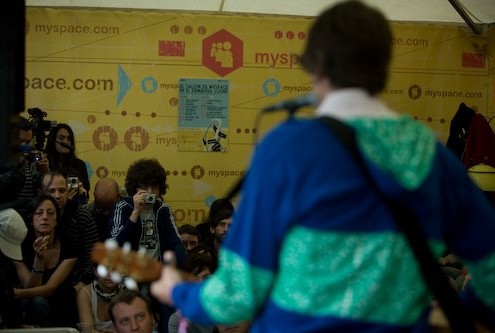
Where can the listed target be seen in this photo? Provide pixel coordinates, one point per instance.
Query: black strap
(407, 224)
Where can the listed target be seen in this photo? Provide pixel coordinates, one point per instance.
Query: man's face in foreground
(133, 317)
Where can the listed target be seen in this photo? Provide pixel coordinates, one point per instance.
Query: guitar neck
(132, 264)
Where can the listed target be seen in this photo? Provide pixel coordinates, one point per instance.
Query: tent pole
(462, 12)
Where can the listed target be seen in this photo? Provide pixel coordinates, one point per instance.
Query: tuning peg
(102, 271)
(126, 248)
(142, 251)
(130, 284)
(115, 276)
(111, 244)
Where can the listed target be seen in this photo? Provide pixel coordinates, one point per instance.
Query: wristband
(37, 271)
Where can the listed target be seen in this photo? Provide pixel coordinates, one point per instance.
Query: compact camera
(35, 157)
(149, 198)
(73, 182)
(40, 126)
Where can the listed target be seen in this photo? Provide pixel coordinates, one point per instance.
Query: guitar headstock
(124, 262)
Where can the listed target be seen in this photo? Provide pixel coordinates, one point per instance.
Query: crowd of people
(313, 246)
(47, 274)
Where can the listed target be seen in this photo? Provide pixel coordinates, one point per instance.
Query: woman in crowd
(92, 304)
(44, 273)
(60, 147)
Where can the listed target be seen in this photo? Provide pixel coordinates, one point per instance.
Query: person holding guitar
(315, 245)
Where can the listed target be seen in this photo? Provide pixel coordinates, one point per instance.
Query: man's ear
(212, 230)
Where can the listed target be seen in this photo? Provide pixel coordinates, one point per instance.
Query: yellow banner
(114, 76)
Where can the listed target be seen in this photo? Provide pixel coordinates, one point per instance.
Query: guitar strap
(406, 222)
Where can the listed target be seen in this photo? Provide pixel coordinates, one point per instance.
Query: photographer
(35, 162)
(60, 147)
(145, 221)
(74, 220)
(20, 182)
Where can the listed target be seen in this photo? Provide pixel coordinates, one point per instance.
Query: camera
(149, 198)
(35, 156)
(40, 126)
(73, 182)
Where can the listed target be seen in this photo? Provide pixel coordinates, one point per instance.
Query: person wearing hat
(12, 232)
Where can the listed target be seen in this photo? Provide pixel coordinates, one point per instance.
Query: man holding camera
(21, 181)
(35, 161)
(75, 220)
(143, 219)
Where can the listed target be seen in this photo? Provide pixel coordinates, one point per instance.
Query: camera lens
(149, 198)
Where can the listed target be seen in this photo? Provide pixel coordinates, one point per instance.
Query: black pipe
(460, 10)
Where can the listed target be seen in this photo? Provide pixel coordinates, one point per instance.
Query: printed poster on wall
(113, 76)
(203, 115)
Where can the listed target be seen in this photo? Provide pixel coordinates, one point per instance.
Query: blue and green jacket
(314, 249)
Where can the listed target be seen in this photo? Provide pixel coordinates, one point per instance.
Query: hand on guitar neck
(170, 277)
(132, 266)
